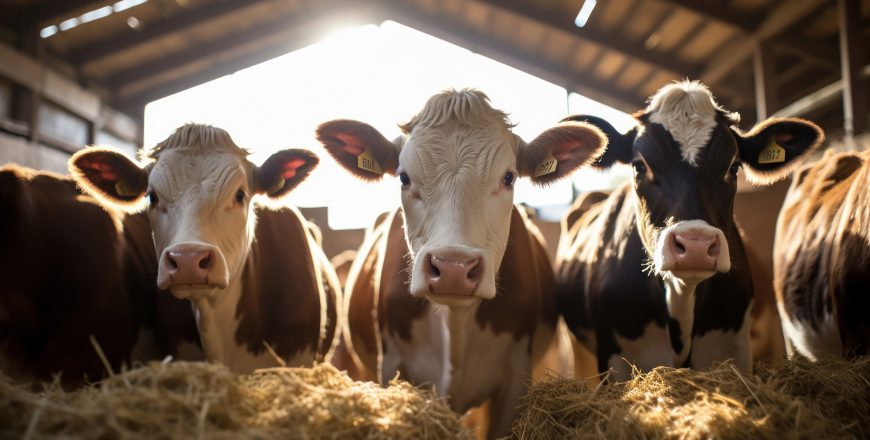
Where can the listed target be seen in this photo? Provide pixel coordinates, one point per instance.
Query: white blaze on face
(687, 110)
(457, 207)
(198, 210)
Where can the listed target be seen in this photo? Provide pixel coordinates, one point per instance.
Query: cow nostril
(172, 264)
(680, 248)
(205, 262)
(713, 251)
(474, 273)
(433, 270)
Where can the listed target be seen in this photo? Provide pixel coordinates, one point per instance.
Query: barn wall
(45, 115)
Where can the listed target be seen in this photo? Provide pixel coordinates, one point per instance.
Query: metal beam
(852, 58)
(157, 29)
(780, 19)
(44, 13)
(764, 61)
(556, 20)
(717, 11)
(447, 29)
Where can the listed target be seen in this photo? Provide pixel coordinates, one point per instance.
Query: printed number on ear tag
(367, 161)
(772, 153)
(547, 166)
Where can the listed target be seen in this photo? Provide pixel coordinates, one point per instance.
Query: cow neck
(460, 325)
(215, 320)
(680, 299)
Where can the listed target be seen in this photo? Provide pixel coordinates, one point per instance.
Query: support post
(851, 62)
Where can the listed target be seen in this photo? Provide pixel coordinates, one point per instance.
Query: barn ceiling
(143, 51)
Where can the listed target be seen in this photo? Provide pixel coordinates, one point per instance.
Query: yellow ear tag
(123, 190)
(366, 161)
(547, 166)
(772, 153)
(277, 186)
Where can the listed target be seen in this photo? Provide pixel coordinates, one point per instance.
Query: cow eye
(240, 196)
(735, 167)
(152, 198)
(509, 179)
(405, 179)
(639, 167)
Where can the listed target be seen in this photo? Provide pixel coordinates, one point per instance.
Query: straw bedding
(201, 400)
(795, 399)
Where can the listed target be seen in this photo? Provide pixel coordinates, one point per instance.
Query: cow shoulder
(397, 309)
(525, 284)
(281, 300)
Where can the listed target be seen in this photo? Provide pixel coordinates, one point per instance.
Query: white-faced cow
(455, 289)
(251, 280)
(70, 269)
(822, 258)
(657, 271)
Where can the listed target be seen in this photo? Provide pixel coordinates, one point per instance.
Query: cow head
(198, 189)
(457, 163)
(686, 156)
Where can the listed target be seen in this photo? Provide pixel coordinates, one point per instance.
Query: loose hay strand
(203, 400)
(795, 399)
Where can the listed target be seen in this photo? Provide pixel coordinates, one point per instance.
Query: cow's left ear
(560, 150)
(283, 171)
(775, 147)
(110, 176)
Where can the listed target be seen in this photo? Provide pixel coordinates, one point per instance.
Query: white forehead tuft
(687, 110)
(468, 107)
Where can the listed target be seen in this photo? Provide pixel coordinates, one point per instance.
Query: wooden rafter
(472, 39)
(611, 41)
(160, 28)
(230, 41)
(780, 19)
(43, 13)
(717, 11)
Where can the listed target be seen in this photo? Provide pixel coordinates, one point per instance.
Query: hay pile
(798, 399)
(201, 400)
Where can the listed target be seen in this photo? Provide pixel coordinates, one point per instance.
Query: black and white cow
(657, 271)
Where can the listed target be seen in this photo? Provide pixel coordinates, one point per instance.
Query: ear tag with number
(124, 190)
(366, 161)
(772, 153)
(547, 166)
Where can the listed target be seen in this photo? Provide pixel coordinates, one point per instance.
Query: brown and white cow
(251, 280)
(822, 258)
(657, 271)
(455, 289)
(70, 269)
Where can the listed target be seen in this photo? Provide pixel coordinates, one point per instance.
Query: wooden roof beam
(157, 29)
(611, 41)
(228, 42)
(719, 12)
(43, 12)
(447, 29)
(780, 19)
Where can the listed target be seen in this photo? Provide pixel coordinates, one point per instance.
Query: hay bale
(201, 400)
(796, 399)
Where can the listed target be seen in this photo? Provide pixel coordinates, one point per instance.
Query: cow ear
(110, 176)
(560, 150)
(619, 145)
(283, 171)
(359, 148)
(775, 147)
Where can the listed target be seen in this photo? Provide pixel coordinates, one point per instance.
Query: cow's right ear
(359, 148)
(619, 145)
(109, 176)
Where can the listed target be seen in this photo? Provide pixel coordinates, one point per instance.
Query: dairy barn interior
(126, 73)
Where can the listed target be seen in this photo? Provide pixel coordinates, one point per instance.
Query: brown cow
(822, 258)
(70, 269)
(251, 280)
(455, 289)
